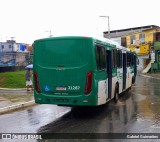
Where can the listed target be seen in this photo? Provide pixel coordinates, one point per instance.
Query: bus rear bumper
(79, 100)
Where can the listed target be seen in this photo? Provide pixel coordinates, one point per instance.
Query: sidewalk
(13, 99)
(151, 75)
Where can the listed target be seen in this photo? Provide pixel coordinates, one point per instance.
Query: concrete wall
(6, 47)
(11, 68)
(148, 36)
(142, 62)
(117, 39)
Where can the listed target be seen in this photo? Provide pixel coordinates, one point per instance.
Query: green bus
(81, 71)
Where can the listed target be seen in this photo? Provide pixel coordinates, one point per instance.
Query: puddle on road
(139, 97)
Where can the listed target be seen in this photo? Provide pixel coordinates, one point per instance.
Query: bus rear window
(61, 52)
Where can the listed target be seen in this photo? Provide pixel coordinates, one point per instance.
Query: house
(13, 54)
(138, 39)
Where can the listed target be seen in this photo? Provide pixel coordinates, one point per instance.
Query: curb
(16, 107)
(149, 76)
(13, 89)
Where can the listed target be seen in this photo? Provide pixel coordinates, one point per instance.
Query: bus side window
(119, 59)
(132, 59)
(128, 59)
(100, 58)
(114, 58)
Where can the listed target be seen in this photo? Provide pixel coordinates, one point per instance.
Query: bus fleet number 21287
(81, 71)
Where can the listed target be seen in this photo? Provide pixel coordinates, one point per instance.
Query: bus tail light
(36, 81)
(88, 85)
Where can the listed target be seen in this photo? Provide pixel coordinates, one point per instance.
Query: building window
(10, 46)
(2, 46)
(123, 41)
(100, 57)
(132, 38)
(141, 36)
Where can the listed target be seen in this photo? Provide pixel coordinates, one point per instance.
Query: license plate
(61, 88)
(61, 100)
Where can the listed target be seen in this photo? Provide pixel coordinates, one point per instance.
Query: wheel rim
(116, 95)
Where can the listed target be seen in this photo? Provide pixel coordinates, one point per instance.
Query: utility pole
(108, 25)
(12, 42)
(13, 54)
(50, 33)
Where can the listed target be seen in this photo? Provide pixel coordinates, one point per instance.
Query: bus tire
(116, 94)
(133, 80)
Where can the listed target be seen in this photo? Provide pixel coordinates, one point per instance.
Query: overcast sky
(28, 20)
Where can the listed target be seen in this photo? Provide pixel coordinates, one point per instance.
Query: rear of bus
(63, 71)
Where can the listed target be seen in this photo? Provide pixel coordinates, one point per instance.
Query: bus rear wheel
(133, 80)
(116, 94)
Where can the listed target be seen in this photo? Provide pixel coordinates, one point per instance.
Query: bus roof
(99, 40)
(104, 41)
(61, 37)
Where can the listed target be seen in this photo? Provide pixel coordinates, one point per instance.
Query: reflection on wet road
(136, 112)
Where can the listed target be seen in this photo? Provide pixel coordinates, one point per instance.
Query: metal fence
(15, 59)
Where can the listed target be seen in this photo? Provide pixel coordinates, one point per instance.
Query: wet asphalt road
(138, 111)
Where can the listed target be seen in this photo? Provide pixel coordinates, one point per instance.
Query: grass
(12, 79)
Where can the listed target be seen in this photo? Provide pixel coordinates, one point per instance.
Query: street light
(12, 41)
(108, 25)
(50, 34)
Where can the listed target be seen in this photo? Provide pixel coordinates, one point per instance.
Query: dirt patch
(2, 79)
(3, 99)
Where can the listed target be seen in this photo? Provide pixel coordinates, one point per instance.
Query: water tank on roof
(22, 47)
